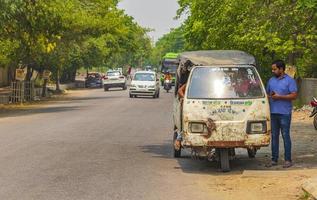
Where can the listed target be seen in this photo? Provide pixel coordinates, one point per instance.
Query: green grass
(306, 196)
(298, 103)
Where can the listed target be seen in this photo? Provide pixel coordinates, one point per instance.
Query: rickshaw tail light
(197, 127)
(256, 127)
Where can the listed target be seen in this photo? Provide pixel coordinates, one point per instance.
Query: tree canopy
(63, 36)
(284, 29)
(170, 42)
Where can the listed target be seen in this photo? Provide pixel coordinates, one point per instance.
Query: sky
(155, 14)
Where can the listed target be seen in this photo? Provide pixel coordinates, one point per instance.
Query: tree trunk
(29, 72)
(292, 58)
(73, 75)
(44, 88)
(58, 80)
(11, 75)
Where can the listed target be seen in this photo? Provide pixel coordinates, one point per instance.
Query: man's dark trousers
(281, 124)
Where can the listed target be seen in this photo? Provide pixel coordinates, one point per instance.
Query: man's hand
(276, 96)
(289, 97)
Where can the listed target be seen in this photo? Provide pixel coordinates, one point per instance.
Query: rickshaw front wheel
(177, 152)
(252, 152)
(224, 159)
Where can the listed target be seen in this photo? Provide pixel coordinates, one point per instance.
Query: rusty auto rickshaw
(225, 105)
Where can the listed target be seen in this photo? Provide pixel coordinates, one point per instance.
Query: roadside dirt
(259, 182)
(11, 109)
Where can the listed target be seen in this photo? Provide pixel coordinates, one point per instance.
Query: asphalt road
(96, 145)
(104, 145)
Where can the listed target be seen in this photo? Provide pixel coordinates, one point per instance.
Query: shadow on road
(143, 97)
(186, 163)
(240, 163)
(58, 104)
(33, 111)
(94, 98)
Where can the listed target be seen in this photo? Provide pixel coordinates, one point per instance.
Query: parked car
(145, 83)
(114, 79)
(93, 80)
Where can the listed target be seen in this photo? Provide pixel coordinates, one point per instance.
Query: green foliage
(171, 42)
(63, 36)
(267, 29)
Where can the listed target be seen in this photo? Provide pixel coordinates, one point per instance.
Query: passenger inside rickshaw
(183, 78)
(247, 83)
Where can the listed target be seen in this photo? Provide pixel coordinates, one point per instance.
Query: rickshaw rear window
(224, 83)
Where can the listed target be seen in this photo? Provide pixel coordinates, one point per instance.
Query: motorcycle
(167, 85)
(313, 103)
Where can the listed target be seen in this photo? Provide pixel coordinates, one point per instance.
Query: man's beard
(277, 75)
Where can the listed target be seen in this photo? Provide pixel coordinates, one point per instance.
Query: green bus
(169, 63)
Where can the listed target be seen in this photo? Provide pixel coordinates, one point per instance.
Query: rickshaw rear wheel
(224, 160)
(177, 152)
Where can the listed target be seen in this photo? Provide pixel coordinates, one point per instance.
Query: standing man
(282, 90)
(129, 72)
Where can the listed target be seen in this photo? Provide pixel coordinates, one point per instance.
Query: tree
(63, 36)
(267, 29)
(171, 42)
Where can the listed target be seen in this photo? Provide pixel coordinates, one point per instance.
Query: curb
(310, 186)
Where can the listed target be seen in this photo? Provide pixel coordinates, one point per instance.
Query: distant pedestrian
(282, 90)
(129, 72)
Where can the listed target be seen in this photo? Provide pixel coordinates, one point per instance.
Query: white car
(114, 79)
(145, 83)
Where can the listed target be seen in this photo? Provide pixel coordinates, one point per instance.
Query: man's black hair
(279, 64)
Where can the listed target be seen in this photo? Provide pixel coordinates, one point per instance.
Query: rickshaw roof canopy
(218, 57)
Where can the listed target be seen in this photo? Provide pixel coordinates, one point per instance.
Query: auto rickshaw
(225, 105)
